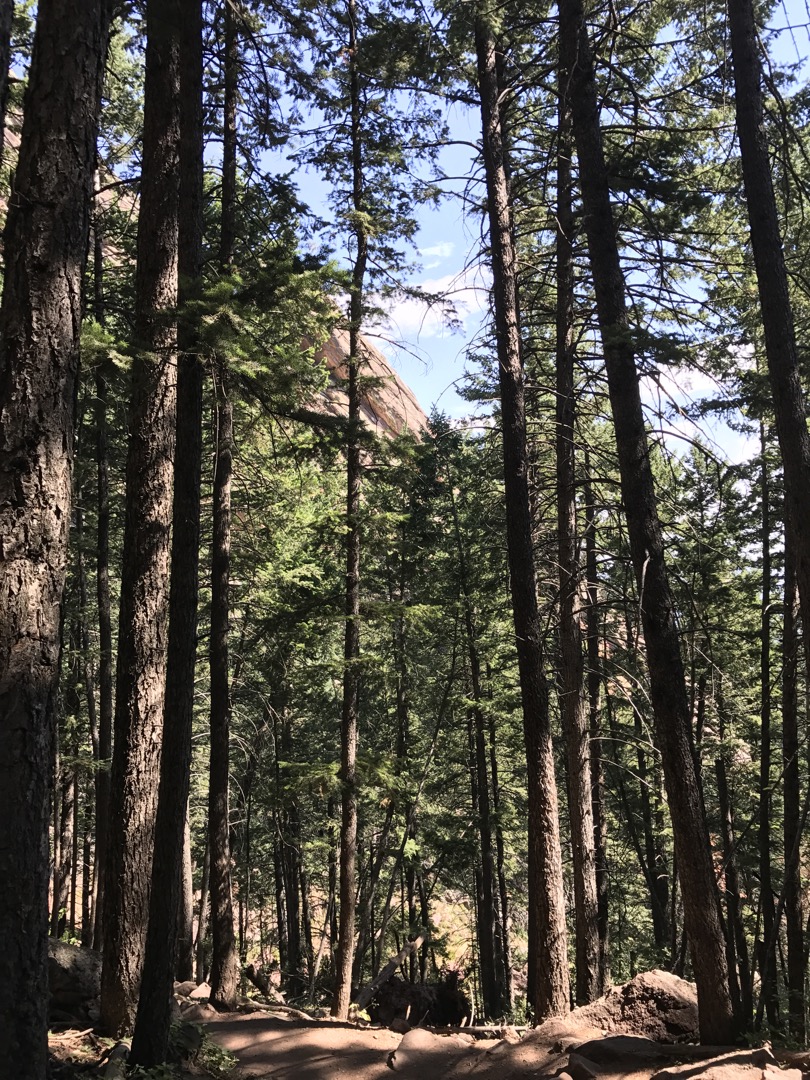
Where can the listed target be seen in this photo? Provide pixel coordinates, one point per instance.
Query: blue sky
(431, 357)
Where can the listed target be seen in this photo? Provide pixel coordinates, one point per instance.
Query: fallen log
(367, 993)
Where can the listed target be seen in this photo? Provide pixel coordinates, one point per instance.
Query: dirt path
(271, 1046)
(285, 1048)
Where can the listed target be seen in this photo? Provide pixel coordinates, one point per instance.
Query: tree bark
(224, 960)
(351, 646)
(774, 294)
(667, 680)
(45, 248)
(548, 991)
(573, 708)
(150, 1042)
(142, 640)
(105, 663)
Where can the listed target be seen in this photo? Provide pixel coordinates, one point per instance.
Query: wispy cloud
(439, 251)
(412, 319)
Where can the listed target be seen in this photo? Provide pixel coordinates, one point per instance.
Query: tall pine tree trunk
(45, 244)
(105, 660)
(774, 294)
(224, 958)
(351, 646)
(548, 991)
(151, 1039)
(142, 636)
(573, 709)
(667, 679)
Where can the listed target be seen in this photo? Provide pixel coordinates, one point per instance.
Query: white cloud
(411, 319)
(440, 251)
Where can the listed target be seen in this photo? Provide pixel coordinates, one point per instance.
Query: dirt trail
(291, 1049)
(643, 1030)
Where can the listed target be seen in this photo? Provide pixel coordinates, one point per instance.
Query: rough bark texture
(151, 1039)
(351, 645)
(667, 681)
(548, 963)
(573, 708)
(141, 669)
(774, 295)
(105, 663)
(224, 959)
(45, 245)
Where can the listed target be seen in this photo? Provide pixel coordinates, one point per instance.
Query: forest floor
(278, 1048)
(643, 1030)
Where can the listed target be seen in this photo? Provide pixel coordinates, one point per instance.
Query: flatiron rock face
(389, 406)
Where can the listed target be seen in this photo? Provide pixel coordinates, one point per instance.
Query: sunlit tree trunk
(151, 1039)
(40, 314)
(142, 636)
(667, 679)
(548, 990)
(351, 646)
(573, 707)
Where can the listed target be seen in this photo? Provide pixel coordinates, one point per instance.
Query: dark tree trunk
(63, 844)
(792, 808)
(573, 709)
(594, 726)
(151, 1039)
(87, 862)
(667, 680)
(224, 961)
(351, 646)
(142, 639)
(774, 294)
(49, 212)
(548, 991)
(105, 662)
(489, 938)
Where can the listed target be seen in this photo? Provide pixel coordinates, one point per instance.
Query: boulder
(200, 993)
(423, 1054)
(74, 981)
(655, 1005)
